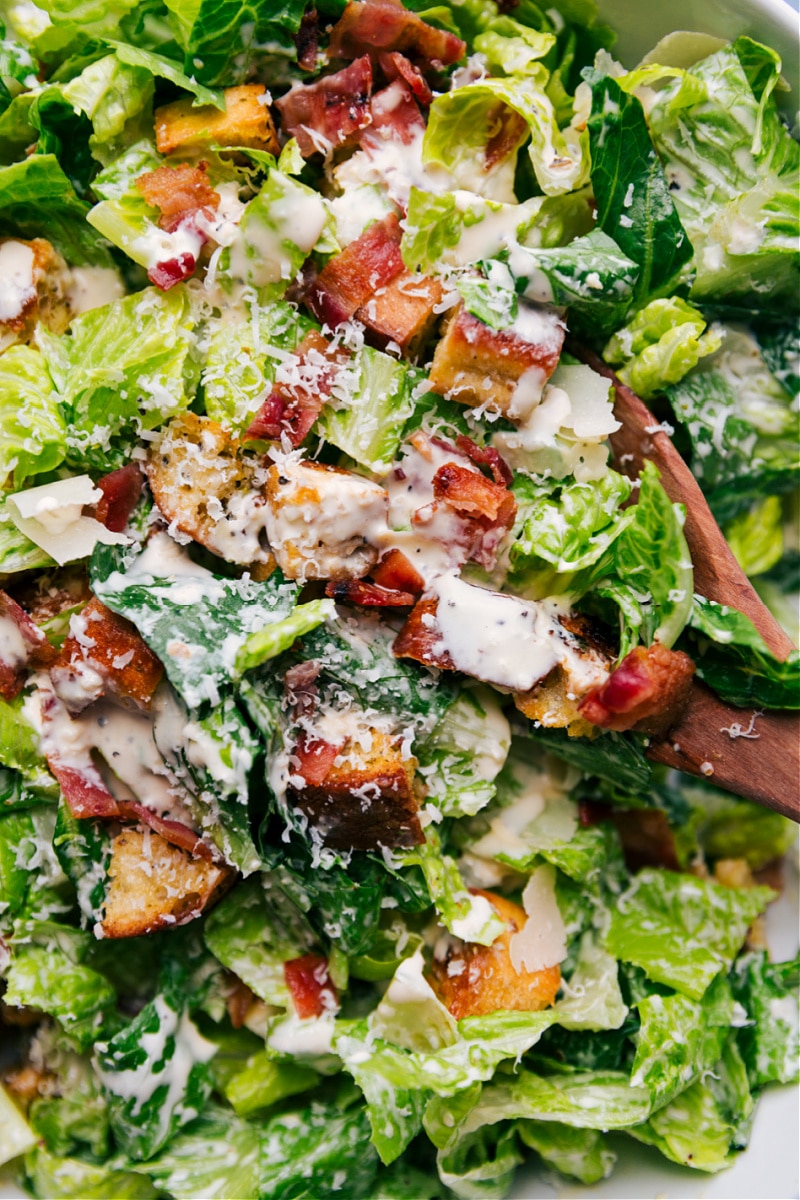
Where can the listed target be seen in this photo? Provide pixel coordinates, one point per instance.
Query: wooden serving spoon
(748, 751)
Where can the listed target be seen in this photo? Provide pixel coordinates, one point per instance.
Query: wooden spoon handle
(717, 574)
(756, 755)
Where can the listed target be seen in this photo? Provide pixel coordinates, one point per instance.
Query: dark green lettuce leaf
(634, 204)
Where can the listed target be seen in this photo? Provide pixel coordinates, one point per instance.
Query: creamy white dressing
(491, 636)
(17, 275)
(13, 649)
(323, 524)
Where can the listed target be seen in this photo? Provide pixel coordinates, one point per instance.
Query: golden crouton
(477, 365)
(202, 484)
(321, 519)
(473, 980)
(367, 801)
(554, 701)
(155, 885)
(401, 312)
(102, 654)
(246, 121)
(36, 284)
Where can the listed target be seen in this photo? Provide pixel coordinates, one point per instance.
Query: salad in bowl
(341, 638)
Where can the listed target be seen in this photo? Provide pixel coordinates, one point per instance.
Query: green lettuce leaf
(238, 367)
(756, 536)
(769, 1041)
(48, 974)
(35, 195)
(736, 169)
(16, 1135)
(33, 433)
(650, 577)
(564, 529)
(461, 759)
(231, 42)
(155, 1075)
(693, 1130)
(367, 415)
(83, 848)
(579, 1153)
(217, 1155)
(464, 915)
(462, 122)
(680, 1039)
(660, 345)
(482, 1163)
(591, 277)
(681, 930)
(120, 369)
(244, 934)
(737, 663)
(634, 203)
(211, 614)
(57, 1177)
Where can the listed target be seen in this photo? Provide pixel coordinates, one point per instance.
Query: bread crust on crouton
(201, 482)
(246, 121)
(104, 654)
(473, 980)
(155, 885)
(367, 801)
(477, 365)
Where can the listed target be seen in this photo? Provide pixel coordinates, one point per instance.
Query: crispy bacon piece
(647, 840)
(473, 495)
(350, 279)
(402, 312)
(310, 986)
(365, 801)
(395, 117)
(486, 456)
(307, 40)
(371, 595)
(473, 980)
(179, 192)
(174, 832)
(383, 26)
(83, 789)
(292, 408)
(396, 66)
(488, 507)
(420, 638)
(165, 275)
(87, 796)
(646, 692)
(330, 112)
(300, 685)
(395, 571)
(121, 491)
(22, 646)
(315, 758)
(478, 365)
(104, 654)
(239, 999)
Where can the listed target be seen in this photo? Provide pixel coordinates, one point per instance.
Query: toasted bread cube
(322, 521)
(402, 312)
(202, 483)
(246, 121)
(155, 885)
(473, 980)
(367, 801)
(104, 653)
(504, 369)
(35, 282)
